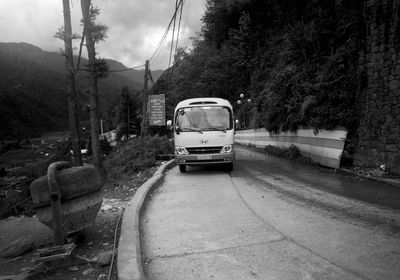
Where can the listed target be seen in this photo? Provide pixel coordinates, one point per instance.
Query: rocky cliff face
(379, 91)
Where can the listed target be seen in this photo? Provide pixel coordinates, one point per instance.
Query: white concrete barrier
(324, 147)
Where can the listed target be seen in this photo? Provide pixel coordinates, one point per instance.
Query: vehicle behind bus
(204, 133)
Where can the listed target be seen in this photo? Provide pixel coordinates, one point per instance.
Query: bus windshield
(204, 118)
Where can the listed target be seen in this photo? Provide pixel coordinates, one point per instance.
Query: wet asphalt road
(320, 178)
(271, 219)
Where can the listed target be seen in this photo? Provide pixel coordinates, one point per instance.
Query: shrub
(291, 153)
(136, 155)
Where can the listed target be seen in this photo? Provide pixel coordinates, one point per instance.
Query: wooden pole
(144, 111)
(93, 95)
(71, 87)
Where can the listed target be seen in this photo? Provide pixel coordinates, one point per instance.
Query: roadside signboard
(157, 109)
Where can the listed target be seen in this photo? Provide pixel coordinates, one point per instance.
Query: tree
(66, 35)
(94, 33)
(123, 115)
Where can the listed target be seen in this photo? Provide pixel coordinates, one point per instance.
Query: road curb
(392, 182)
(129, 263)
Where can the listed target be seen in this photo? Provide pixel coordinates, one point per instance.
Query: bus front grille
(204, 150)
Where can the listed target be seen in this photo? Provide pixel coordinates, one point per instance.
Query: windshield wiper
(217, 129)
(192, 129)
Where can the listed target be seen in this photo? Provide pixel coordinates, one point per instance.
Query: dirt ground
(94, 240)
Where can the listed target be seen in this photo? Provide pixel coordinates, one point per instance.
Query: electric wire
(159, 47)
(162, 41)
(178, 9)
(173, 35)
(179, 27)
(127, 69)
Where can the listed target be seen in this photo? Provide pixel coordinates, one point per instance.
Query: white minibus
(204, 133)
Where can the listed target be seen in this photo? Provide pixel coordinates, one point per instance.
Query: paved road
(270, 219)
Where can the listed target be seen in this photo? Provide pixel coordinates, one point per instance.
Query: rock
(87, 271)
(106, 207)
(17, 248)
(104, 258)
(73, 268)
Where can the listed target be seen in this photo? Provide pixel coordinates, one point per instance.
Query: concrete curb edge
(129, 262)
(392, 182)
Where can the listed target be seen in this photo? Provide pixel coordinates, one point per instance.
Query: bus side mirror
(169, 125)
(177, 129)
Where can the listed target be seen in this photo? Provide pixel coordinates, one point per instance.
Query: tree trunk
(71, 88)
(94, 104)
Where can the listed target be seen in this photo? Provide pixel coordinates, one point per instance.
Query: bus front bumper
(205, 159)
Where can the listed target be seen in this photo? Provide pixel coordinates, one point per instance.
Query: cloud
(135, 26)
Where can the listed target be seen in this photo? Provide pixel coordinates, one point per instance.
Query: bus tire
(182, 168)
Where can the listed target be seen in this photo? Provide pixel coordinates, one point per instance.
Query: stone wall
(379, 94)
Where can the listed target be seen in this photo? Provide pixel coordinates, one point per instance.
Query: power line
(173, 35)
(162, 41)
(179, 27)
(160, 45)
(178, 9)
(126, 69)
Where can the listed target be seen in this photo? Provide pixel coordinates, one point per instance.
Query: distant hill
(134, 75)
(33, 86)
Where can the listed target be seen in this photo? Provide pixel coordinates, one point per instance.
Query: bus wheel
(182, 168)
(228, 166)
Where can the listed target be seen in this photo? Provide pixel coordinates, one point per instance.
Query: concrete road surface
(270, 219)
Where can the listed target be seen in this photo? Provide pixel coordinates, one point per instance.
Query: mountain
(33, 90)
(134, 75)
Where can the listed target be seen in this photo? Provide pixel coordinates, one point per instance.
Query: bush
(136, 155)
(291, 153)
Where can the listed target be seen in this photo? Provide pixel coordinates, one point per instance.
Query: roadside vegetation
(295, 60)
(290, 153)
(137, 155)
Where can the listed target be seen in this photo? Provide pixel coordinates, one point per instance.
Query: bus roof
(201, 101)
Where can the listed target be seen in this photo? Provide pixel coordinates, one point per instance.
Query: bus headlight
(181, 151)
(226, 149)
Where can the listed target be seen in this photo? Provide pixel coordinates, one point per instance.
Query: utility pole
(144, 111)
(71, 87)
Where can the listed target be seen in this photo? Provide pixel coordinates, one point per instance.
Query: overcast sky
(135, 26)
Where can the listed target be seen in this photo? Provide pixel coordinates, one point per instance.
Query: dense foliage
(136, 155)
(296, 60)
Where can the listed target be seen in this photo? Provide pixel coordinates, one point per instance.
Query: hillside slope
(33, 90)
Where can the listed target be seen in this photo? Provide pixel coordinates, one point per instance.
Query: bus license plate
(204, 157)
